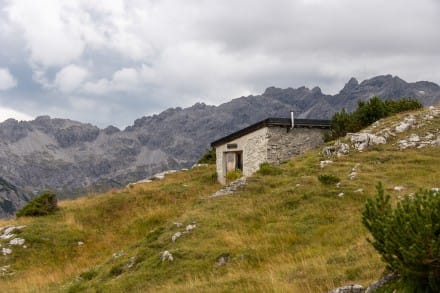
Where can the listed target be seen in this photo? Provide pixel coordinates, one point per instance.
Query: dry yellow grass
(284, 233)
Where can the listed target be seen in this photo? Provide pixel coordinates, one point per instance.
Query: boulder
(376, 285)
(398, 188)
(176, 236)
(363, 140)
(322, 164)
(405, 124)
(336, 150)
(166, 255)
(349, 289)
(414, 138)
(17, 241)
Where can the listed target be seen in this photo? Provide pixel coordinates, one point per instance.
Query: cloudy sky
(112, 61)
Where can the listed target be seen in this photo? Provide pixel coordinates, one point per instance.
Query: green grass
(285, 231)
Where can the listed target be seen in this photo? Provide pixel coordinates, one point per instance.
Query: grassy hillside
(284, 232)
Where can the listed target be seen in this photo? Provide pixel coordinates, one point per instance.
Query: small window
(231, 146)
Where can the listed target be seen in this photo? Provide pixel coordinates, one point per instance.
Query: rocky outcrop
(363, 140)
(406, 133)
(8, 239)
(336, 150)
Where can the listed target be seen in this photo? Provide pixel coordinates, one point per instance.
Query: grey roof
(282, 122)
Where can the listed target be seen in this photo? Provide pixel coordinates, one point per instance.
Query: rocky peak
(350, 85)
(316, 90)
(109, 130)
(11, 130)
(379, 81)
(272, 91)
(199, 106)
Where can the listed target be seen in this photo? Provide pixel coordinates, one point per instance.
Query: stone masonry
(285, 143)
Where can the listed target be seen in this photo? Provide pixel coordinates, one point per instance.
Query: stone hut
(273, 140)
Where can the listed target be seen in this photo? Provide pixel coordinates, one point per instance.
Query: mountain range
(74, 158)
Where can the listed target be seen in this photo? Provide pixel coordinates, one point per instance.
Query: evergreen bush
(407, 237)
(328, 179)
(209, 157)
(43, 204)
(369, 112)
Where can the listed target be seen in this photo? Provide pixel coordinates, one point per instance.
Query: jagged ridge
(74, 157)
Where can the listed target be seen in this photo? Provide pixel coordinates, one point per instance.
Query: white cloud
(70, 78)
(123, 80)
(6, 113)
(149, 54)
(99, 87)
(48, 30)
(126, 79)
(7, 81)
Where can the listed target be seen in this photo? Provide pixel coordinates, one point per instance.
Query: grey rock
(324, 163)
(6, 251)
(176, 236)
(118, 254)
(349, 289)
(406, 124)
(7, 231)
(398, 188)
(231, 188)
(6, 271)
(17, 241)
(414, 138)
(223, 260)
(12, 198)
(363, 140)
(376, 285)
(178, 224)
(166, 255)
(337, 150)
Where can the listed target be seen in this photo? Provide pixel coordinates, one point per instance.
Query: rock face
(11, 198)
(74, 157)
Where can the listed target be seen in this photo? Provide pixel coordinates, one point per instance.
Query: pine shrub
(328, 179)
(369, 112)
(407, 237)
(209, 157)
(42, 205)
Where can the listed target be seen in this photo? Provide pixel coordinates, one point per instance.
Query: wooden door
(230, 162)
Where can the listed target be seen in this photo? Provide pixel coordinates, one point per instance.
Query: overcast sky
(112, 61)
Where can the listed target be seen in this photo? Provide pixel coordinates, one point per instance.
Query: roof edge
(283, 122)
